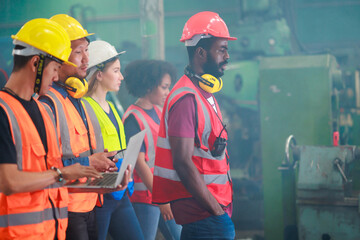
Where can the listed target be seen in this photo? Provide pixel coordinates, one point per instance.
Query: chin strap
(39, 73)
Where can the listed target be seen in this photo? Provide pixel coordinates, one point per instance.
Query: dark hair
(21, 61)
(142, 76)
(204, 43)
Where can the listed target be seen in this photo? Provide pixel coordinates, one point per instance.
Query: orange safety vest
(74, 142)
(215, 170)
(33, 215)
(141, 193)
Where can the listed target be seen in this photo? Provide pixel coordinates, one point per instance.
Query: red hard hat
(205, 23)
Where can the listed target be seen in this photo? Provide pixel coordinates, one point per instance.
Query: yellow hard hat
(43, 36)
(71, 25)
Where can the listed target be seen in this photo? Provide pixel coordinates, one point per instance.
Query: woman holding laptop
(115, 213)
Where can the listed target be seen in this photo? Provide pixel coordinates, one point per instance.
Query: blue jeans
(169, 229)
(148, 216)
(214, 227)
(150, 219)
(118, 218)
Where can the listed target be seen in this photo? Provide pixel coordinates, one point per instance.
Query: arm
(14, 181)
(100, 161)
(144, 171)
(182, 149)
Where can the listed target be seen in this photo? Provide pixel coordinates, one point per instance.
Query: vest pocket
(81, 138)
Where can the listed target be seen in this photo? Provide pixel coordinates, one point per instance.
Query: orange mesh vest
(215, 170)
(141, 193)
(31, 215)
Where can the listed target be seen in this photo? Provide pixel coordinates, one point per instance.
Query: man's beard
(212, 68)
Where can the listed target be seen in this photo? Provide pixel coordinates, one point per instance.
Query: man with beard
(80, 142)
(191, 163)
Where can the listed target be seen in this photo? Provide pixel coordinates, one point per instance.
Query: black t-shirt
(7, 146)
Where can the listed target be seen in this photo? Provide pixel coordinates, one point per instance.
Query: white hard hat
(100, 52)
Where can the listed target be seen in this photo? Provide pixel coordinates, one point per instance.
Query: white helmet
(99, 53)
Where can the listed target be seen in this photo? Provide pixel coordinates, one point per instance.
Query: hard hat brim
(63, 60)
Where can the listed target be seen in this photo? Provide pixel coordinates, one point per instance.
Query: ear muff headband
(75, 87)
(207, 82)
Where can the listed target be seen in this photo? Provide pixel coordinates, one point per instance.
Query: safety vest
(33, 215)
(214, 170)
(112, 141)
(141, 193)
(74, 142)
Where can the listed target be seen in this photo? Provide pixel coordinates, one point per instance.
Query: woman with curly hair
(149, 81)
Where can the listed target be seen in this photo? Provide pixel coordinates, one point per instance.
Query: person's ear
(34, 63)
(99, 75)
(202, 52)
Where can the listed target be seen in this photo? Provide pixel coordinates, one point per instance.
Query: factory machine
(322, 179)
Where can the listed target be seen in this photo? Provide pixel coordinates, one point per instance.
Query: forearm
(144, 171)
(14, 181)
(82, 160)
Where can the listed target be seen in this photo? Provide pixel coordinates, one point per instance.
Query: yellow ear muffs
(210, 84)
(79, 87)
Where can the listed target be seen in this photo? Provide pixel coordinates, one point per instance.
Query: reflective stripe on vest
(16, 134)
(140, 186)
(64, 129)
(96, 126)
(208, 178)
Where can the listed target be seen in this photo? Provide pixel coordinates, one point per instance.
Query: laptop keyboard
(107, 180)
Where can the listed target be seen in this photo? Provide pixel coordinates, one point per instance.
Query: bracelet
(59, 172)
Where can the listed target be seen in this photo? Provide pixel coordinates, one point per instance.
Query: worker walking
(32, 199)
(149, 81)
(191, 163)
(79, 141)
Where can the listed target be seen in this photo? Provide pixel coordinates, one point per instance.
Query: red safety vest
(215, 170)
(74, 142)
(141, 193)
(30, 215)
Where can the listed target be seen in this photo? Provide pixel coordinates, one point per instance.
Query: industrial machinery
(326, 202)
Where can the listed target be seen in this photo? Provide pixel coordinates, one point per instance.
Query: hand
(101, 162)
(126, 179)
(76, 171)
(166, 212)
(219, 211)
(120, 187)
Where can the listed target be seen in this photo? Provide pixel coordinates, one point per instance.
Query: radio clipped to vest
(76, 87)
(207, 82)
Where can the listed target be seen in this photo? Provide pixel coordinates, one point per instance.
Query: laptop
(113, 179)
